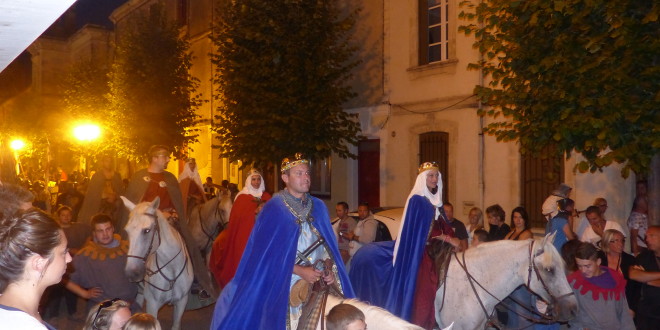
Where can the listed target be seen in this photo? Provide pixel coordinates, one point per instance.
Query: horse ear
(129, 205)
(154, 205)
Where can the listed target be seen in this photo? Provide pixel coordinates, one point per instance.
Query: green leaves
(282, 73)
(578, 74)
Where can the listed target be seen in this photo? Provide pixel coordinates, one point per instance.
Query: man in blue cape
(259, 296)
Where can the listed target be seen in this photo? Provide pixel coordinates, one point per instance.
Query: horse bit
(159, 269)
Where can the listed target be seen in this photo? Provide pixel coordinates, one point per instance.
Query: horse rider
(154, 181)
(292, 237)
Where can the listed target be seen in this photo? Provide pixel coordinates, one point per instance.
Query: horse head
(143, 236)
(547, 278)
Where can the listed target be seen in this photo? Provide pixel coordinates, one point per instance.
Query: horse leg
(177, 313)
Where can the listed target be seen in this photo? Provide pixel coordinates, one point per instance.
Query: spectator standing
(34, 256)
(476, 218)
(647, 272)
(345, 224)
(365, 229)
(498, 229)
(99, 266)
(459, 228)
(638, 222)
(613, 256)
(597, 226)
(345, 317)
(108, 315)
(549, 207)
(520, 229)
(103, 193)
(600, 292)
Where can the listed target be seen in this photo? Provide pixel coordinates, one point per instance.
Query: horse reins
(218, 228)
(532, 266)
(159, 268)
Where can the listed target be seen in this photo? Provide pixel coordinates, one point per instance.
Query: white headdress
(193, 174)
(421, 189)
(248, 189)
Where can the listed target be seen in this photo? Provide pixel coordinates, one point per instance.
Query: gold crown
(254, 171)
(428, 166)
(290, 162)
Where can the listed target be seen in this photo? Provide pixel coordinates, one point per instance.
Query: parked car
(390, 216)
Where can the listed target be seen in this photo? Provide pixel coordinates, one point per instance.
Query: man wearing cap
(264, 293)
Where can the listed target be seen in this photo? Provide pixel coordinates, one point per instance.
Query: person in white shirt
(365, 230)
(597, 226)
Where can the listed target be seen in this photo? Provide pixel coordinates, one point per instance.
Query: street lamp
(17, 145)
(87, 132)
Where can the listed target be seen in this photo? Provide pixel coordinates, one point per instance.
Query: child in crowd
(345, 317)
(480, 236)
(142, 321)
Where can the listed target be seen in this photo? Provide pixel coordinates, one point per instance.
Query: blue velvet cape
(258, 296)
(393, 287)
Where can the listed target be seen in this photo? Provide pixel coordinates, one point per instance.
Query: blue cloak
(393, 287)
(258, 296)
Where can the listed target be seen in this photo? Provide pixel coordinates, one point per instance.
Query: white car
(390, 216)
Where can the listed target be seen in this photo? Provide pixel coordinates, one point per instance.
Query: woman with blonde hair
(476, 219)
(613, 256)
(142, 321)
(108, 315)
(34, 256)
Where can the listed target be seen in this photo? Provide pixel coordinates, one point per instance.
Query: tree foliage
(152, 94)
(281, 72)
(582, 75)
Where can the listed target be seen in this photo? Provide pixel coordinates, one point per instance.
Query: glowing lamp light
(17, 144)
(86, 132)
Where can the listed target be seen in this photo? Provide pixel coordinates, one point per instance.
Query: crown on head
(254, 171)
(428, 166)
(290, 162)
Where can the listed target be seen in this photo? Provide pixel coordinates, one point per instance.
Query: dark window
(539, 176)
(321, 176)
(433, 31)
(182, 12)
(434, 147)
(369, 172)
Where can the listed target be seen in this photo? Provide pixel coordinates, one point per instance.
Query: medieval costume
(227, 253)
(258, 297)
(145, 186)
(191, 186)
(404, 267)
(601, 300)
(102, 196)
(103, 266)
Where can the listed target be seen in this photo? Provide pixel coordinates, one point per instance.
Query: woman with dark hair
(498, 229)
(520, 225)
(108, 315)
(34, 256)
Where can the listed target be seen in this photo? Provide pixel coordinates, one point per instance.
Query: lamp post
(17, 145)
(86, 133)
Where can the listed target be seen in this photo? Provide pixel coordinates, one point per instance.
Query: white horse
(157, 255)
(481, 277)
(207, 220)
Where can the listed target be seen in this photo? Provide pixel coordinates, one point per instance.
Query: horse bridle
(218, 228)
(532, 266)
(159, 269)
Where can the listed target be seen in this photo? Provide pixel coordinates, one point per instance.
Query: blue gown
(258, 296)
(374, 277)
